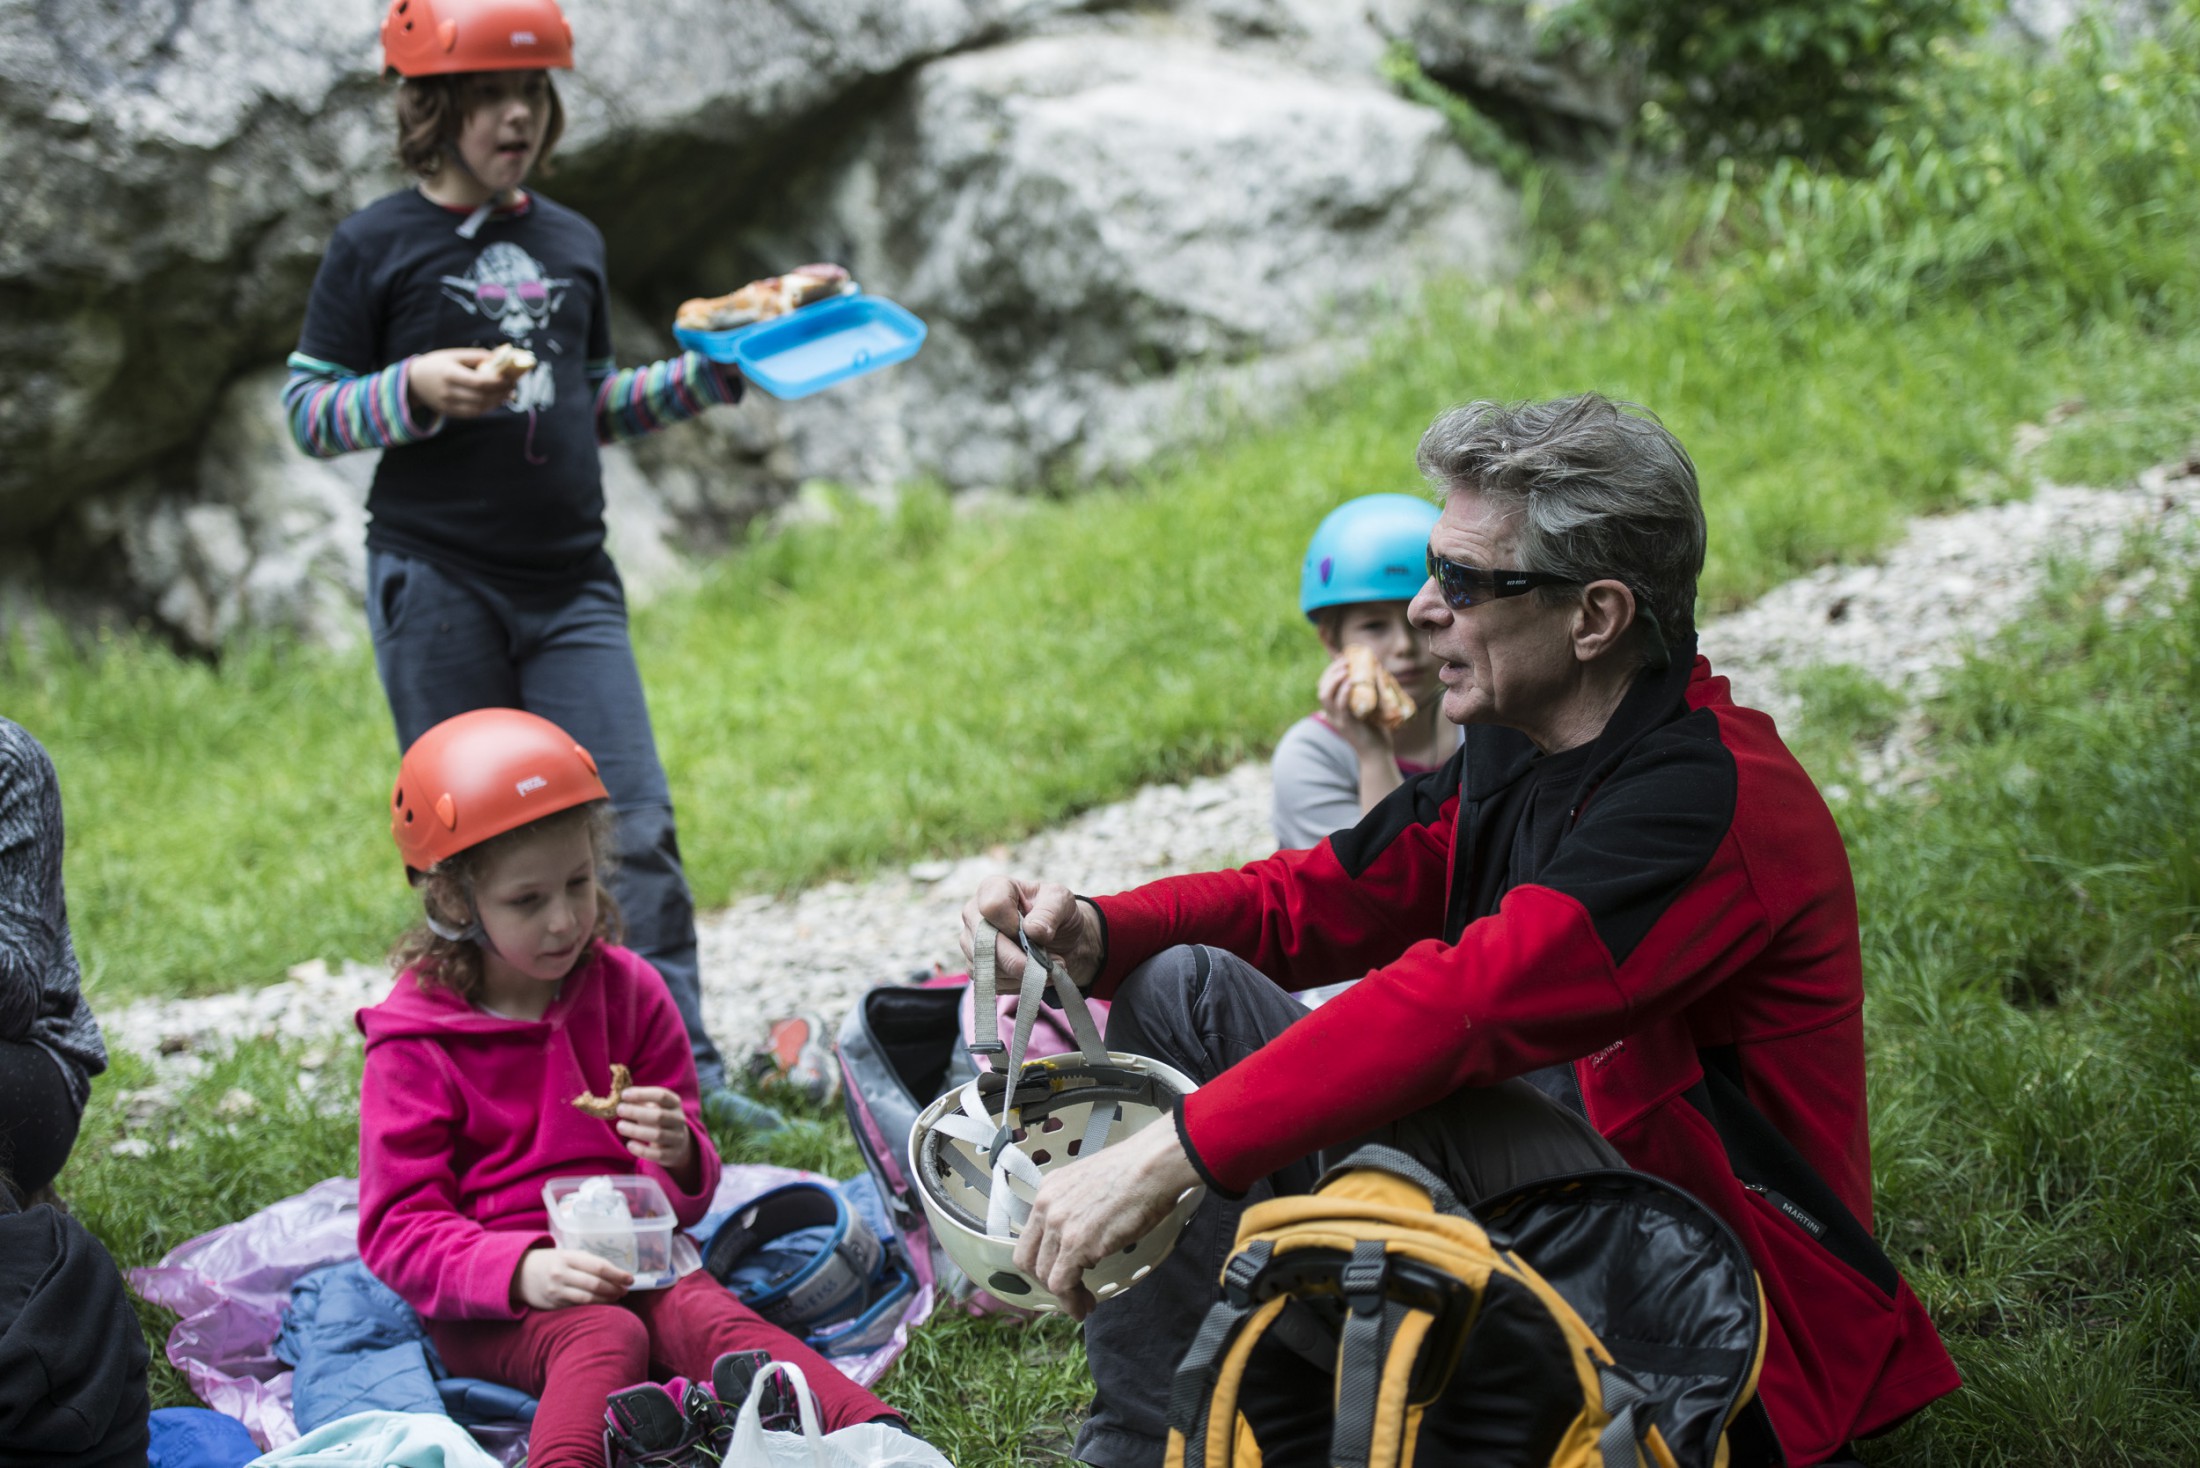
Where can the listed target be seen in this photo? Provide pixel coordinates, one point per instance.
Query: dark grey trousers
(446, 644)
(1202, 1011)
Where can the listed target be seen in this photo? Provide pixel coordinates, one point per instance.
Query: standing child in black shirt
(487, 580)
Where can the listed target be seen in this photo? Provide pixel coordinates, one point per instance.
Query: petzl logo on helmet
(523, 38)
(530, 784)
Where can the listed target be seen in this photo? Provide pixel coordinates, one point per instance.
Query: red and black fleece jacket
(1676, 946)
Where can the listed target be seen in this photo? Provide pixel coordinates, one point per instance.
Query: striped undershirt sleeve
(641, 400)
(334, 410)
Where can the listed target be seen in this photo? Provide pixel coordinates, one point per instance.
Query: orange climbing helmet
(438, 37)
(481, 774)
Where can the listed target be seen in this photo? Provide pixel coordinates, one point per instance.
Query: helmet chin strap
(473, 932)
(471, 225)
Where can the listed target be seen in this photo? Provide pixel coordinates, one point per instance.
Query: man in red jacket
(1617, 929)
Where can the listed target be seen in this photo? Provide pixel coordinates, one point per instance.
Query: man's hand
(552, 1279)
(1093, 1207)
(1334, 693)
(453, 383)
(1052, 918)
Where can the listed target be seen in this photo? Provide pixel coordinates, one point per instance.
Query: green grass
(2032, 946)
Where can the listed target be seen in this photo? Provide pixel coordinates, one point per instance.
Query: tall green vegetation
(2032, 947)
(1762, 78)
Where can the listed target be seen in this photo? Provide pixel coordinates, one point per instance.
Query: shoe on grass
(799, 1055)
(728, 1109)
(644, 1426)
(731, 1376)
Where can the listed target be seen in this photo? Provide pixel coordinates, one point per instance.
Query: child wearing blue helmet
(1363, 566)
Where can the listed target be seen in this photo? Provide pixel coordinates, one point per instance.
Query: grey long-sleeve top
(41, 990)
(1317, 784)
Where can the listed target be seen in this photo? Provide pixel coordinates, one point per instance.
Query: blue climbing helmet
(1373, 548)
(799, 1256)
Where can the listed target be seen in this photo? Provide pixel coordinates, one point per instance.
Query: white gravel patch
(1905, 619)
(1952, 583)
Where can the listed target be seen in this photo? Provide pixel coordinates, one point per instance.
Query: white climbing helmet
(978, 1153)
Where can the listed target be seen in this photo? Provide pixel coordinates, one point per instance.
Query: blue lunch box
(809, 350)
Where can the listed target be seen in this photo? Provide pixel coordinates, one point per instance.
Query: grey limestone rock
(1113, 234)
(260, 537)
(170, 171)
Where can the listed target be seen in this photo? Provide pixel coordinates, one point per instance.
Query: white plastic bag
(865, 1445)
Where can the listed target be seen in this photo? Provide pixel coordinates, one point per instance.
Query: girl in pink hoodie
(512, 1002)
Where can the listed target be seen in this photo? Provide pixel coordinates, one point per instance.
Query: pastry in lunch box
(762, 300)
(606, 1108)
(1372, 695)
(510, 363)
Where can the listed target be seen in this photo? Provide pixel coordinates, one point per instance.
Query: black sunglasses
(1463, 586)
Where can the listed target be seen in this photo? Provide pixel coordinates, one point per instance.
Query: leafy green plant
(1765, 78)
(2060, 187)
(1475, 131)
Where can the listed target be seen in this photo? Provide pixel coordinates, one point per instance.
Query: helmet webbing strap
(1040, 966)
(1006, 1211)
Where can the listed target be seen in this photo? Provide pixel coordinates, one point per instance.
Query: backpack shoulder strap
(1399, 1164)
(1192, 1392)
(1362, 1352)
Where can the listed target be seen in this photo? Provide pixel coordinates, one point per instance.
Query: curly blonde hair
(447, 897)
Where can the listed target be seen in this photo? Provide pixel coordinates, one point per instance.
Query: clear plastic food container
(626, 1220)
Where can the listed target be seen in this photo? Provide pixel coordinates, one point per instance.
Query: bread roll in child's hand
(509, 362)
(762, 300)
(606, 1108)
(1372, 695)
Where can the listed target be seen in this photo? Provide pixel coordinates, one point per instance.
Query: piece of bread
(764, 300)
(606, 1108)
(1372, 695)
(510, 363)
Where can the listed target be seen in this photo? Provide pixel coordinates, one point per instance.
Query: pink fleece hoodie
(463, 1116)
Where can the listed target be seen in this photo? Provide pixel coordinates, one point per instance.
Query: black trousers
(1202, 1011)
(38, 1116)
(447, 644)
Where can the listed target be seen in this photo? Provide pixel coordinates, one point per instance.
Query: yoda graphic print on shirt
(508, 287)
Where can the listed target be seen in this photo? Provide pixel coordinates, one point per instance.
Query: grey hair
(1596, 489)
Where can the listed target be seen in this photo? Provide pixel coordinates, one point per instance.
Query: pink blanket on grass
(231, 1287)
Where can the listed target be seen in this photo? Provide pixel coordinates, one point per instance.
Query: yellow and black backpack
(1375, 1323)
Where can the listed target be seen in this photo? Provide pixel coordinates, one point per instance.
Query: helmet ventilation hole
(1131, 1247)
(1076, 1146)
(1017, 1135)
(1051, 1124)
(1042, 1157)
(1002, 1282)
